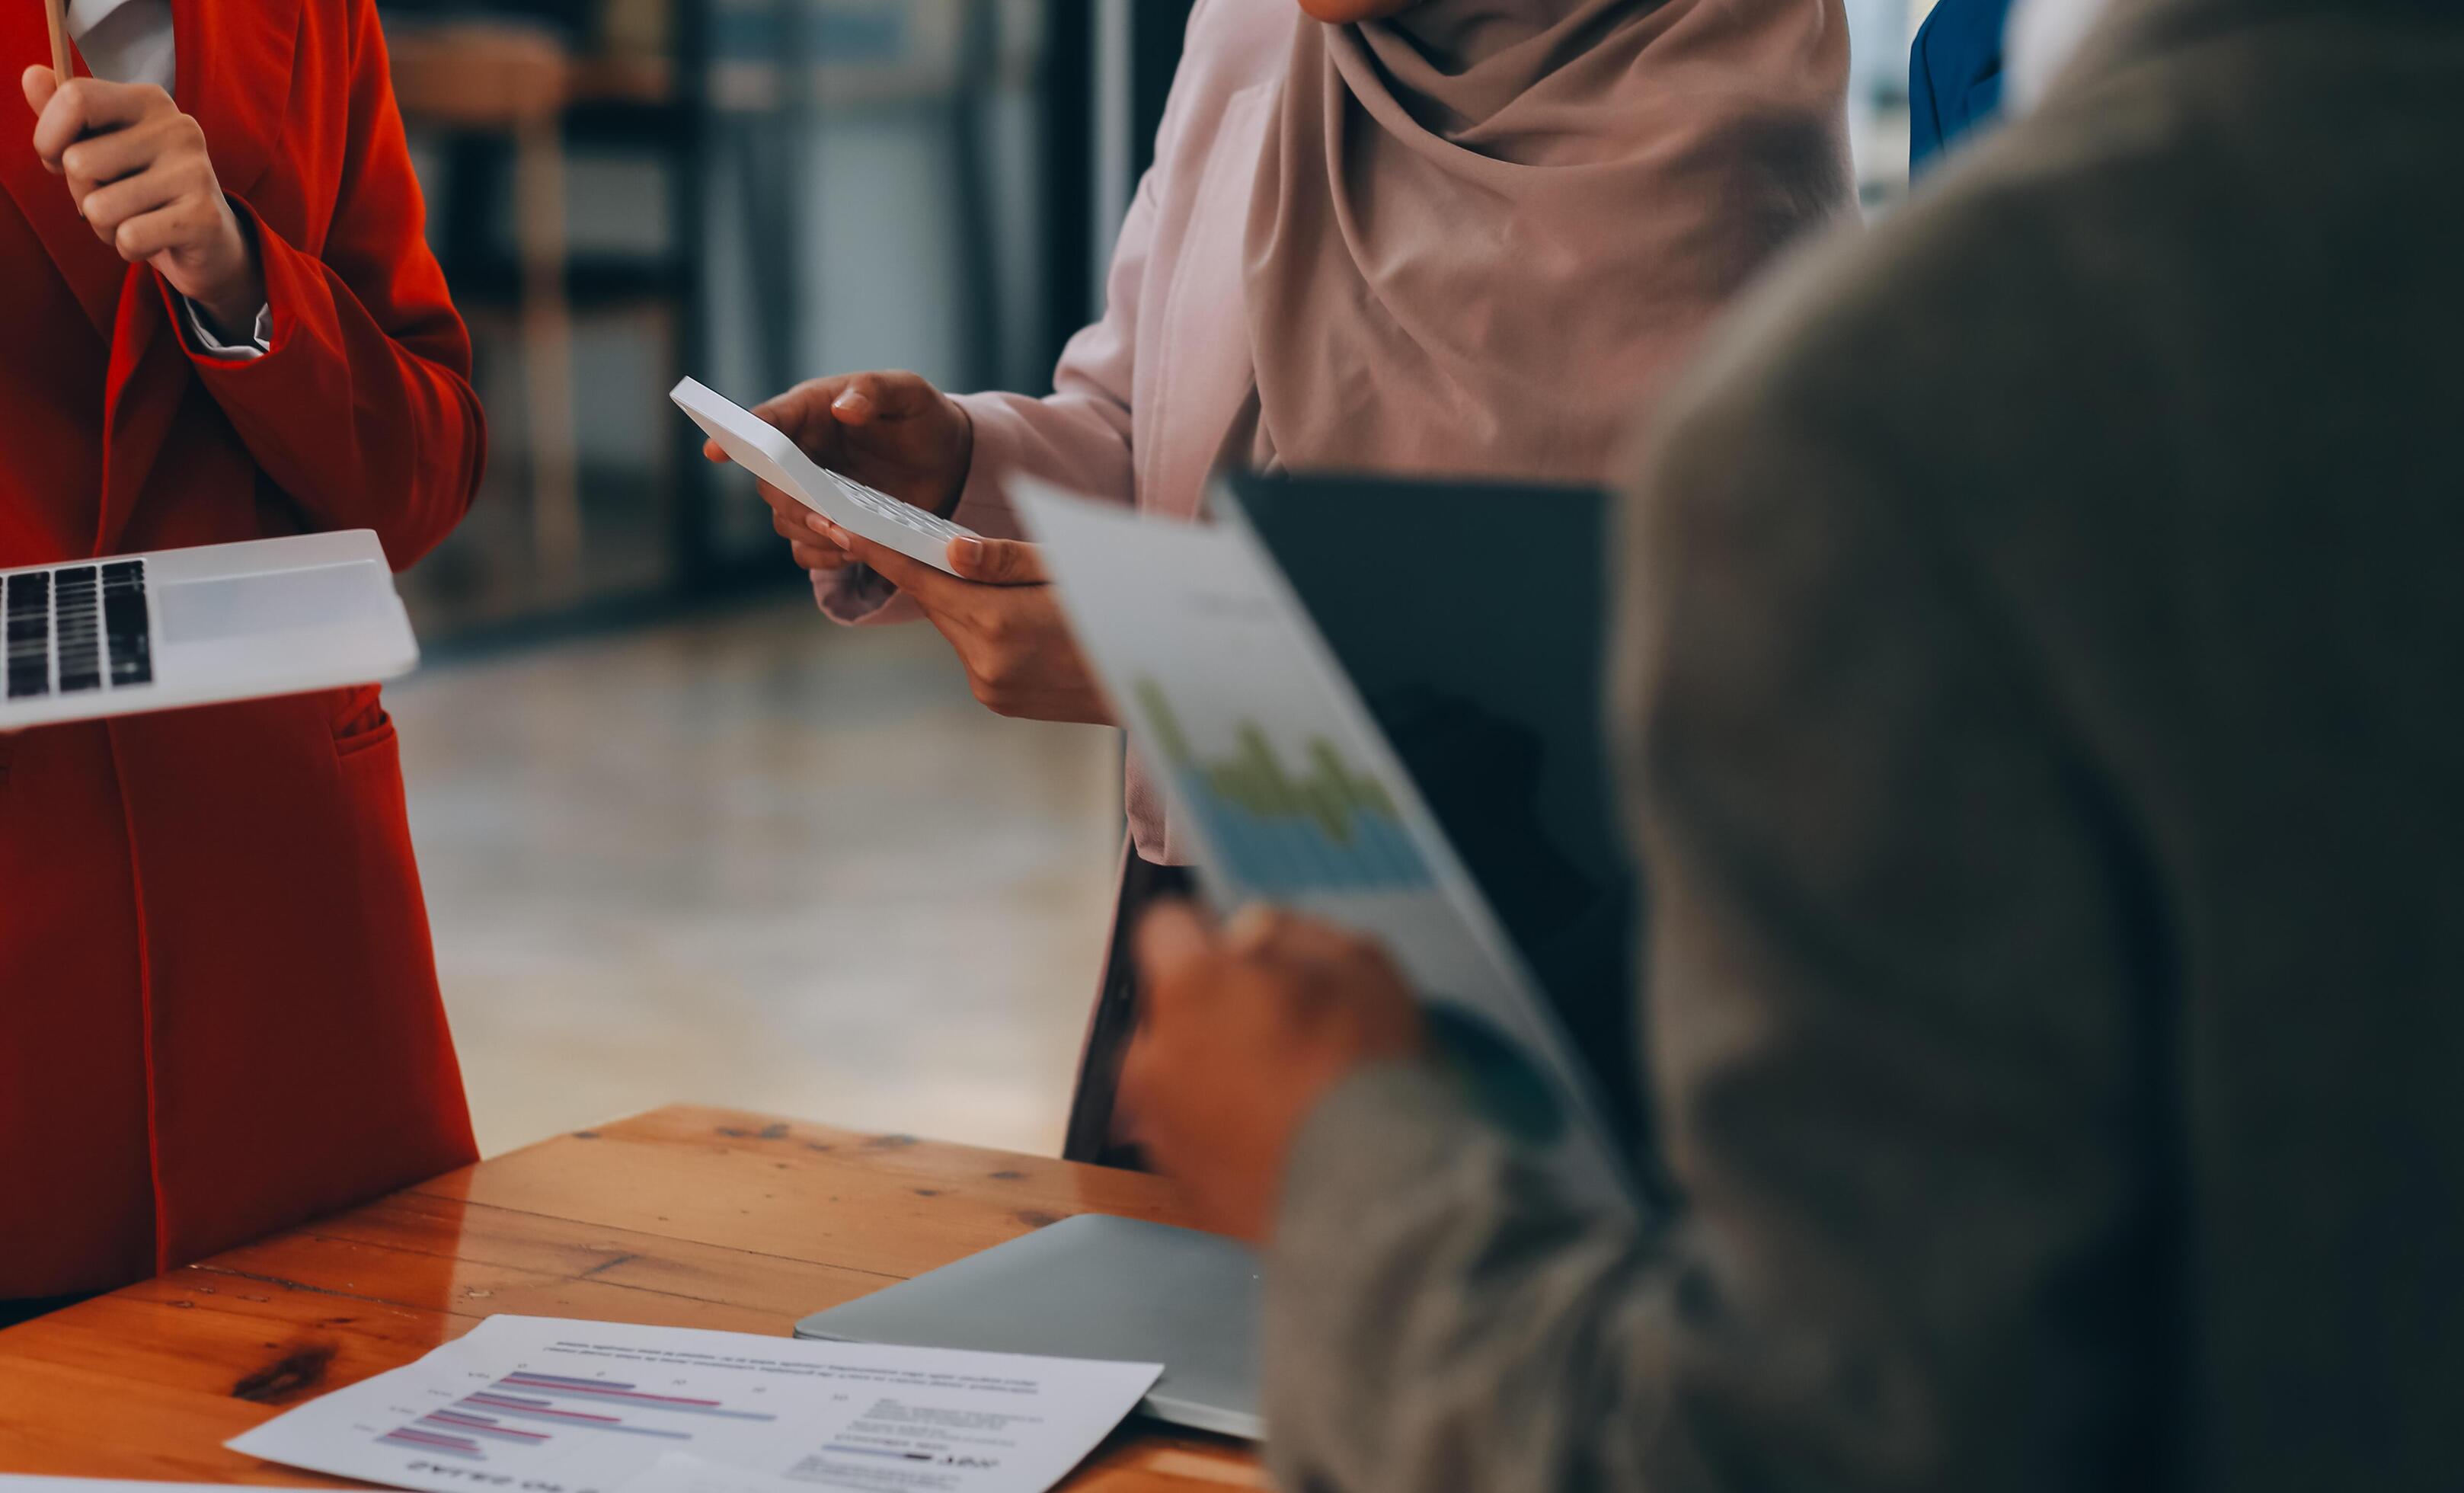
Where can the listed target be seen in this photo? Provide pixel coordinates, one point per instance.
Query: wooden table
(681, 1217)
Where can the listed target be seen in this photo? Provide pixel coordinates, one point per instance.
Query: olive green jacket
(2042, 689)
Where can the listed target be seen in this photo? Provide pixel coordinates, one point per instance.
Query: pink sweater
(1142, 398)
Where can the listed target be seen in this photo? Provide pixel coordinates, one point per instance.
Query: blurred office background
(682, 839)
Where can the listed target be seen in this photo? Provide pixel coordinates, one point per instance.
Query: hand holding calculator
(768, 453)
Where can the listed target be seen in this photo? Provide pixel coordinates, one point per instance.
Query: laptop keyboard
(74, 629)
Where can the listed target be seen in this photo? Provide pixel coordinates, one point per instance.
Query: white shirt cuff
(260, 334)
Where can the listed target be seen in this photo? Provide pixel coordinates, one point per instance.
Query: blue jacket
(1954, 75)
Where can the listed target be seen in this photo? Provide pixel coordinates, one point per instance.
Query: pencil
(59, 39)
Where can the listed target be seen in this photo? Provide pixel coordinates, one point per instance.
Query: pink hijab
(1484, 232)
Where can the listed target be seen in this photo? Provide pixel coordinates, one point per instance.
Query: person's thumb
(859, 401)
(1173, 939)
(895, 395)
(39, 83)
(998, 561)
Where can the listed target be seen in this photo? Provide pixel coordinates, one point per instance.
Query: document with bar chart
(1284, 791)
(550, 1406)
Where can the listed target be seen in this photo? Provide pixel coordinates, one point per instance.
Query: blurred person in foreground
(1445, 237)
(2045, 756)
(218, 1009)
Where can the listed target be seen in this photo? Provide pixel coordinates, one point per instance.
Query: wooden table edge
(183, 1361)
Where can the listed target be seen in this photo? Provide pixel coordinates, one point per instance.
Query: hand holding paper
(1243, 1031)
(1285, 792)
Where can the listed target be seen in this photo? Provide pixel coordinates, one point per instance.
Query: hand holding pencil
(139, 173)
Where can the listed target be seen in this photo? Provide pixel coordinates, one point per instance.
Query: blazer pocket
(367, 738)
(361, 722)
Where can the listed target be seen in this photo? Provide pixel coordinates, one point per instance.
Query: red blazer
(218, 1011)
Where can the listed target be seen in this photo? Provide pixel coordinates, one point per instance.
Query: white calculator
(765, 450)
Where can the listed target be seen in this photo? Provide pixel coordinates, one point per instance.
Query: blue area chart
(1324, 826)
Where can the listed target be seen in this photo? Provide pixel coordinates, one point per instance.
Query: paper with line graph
(539, 1405)
(1284, 791)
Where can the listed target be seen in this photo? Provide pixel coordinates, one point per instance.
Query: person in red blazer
(218, 1007)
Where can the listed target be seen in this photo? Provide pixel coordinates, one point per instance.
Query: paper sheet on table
(676, 1473)
(542, 1405)
(21, 1482)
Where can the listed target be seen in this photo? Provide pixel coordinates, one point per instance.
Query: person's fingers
(41, 85)
(84, 107)
(141, 237)
(808, 527)
(1143, 1070)
(803, 528)
(858, 399)
(1171, 941)
(99, 160)
(864, 398)
(808, 539)
(792, 519)
(1150, 1103)
(123, 204)
(60, 124)
(998, 561)
(934, 588)
(712, 450)
(804, 415)
(1317, 961)
(1310, 940)
(1257, 927)
(839, 399)
(779, 499)
(1262, 928)
(797, 411)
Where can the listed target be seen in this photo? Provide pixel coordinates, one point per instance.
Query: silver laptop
(1091, 1286)
(132, 633)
